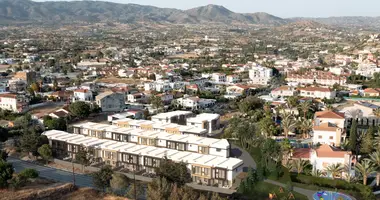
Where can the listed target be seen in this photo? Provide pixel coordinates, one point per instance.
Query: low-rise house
(218, 77)
(235, 91)
(260, 75)
(14, 102)
(371, 92)
(195, 103)
(130, 113)
(166, 97)
(110, 101)
(328, 128)
(176, 117)
(60, 113)
(233, 79)
(137, 98)
(210, 122)
(317, 92)
(325, 156)
(61, 95)
(284, 91)
(82, 95)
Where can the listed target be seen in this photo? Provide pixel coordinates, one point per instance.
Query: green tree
(3, 155)
(156, 102)
(250, 103)
(54, 123)
(55, 85)
(159, 188)
(288, 123)
(80, 109)
(83, 157)
(45, 152)
(3, 134)
(102, 178)
(29, 173)
(334, 170)
(286, 149)
(30, 142)
(375, 160)
(267, 126)
(300, 165)
(366, 145)
(365, 168)
(174, 172)
(305, 107)
(6, 171)
(292, 101)
(305, 126)
(35, 87)
(354, 136)
(119, 183)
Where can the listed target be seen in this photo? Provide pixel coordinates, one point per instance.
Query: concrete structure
(206, 169)
(159, 126)
(260, 75)
(210, 122)
(111, 102)
(218, 77)
(177, 117)
(137, 98)
(319, 77)
(233, 79)
(235, 91)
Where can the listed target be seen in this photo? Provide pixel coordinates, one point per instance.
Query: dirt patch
(89, 194)
(119, 80)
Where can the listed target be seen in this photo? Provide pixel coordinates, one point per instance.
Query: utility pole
(72, 163)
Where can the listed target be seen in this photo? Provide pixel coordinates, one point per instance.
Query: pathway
(306, 192)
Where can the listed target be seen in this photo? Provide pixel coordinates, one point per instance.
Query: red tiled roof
(313, 89)
(329, 114)
(327, 151)
(301, 153)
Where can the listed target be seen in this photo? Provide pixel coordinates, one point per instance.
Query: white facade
(136, 98)
(195, 102)
(233, 79)
(320, 93)
(82, 95)
(210, 122)
(218, 77)
(7, 102)
(260, 75)
(284, 91)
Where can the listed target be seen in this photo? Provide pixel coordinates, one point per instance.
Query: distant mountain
(98, 11)
(357, 22)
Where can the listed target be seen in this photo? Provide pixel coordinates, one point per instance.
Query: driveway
(52, 173)
(238, 152)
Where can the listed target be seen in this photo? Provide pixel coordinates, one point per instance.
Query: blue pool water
(328, 195)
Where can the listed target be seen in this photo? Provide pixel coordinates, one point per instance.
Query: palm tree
(334, 170)
(289, 165)
(376, 112)
(305, 126)
(287, 124)
(316, 173)
(291, 101)
(365, 168)
(347, 173)
(300, 165)
(305, 107)
(376, 142)
(374, 158)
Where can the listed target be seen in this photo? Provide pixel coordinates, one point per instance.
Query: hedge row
(365, 191)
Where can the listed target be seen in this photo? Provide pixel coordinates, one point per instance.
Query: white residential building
(137, 98)
(195, 103)
(82, 95)
(145, 155)
(111, 102)
(284, 91)
(177, 117)
(210, 122)
(317, 92)
(13, 102)
(233, 79)
(328, 128)
(260, 75)
(218, 77)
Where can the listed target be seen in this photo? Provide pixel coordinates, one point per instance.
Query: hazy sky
(281, 8)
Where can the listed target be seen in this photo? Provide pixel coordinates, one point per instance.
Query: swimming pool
(329, 195)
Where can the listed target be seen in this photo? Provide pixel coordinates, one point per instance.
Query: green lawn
(263, 189)
(317, 188)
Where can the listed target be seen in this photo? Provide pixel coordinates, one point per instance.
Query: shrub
(29, 173)
(364, 191)
(18, 181)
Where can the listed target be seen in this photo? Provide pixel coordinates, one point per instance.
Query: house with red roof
(317, 92)
(371, 92)
(328, 128)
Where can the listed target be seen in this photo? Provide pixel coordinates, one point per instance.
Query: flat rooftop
(177, 156)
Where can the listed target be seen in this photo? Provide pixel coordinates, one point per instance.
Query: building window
(218, 150)
(331, 137)
(320, 137)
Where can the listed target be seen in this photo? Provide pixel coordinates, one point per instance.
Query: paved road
(241, 153)
(308, 193)
(83, 180)
(52, 173)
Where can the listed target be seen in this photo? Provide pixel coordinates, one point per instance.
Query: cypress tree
(354, 136)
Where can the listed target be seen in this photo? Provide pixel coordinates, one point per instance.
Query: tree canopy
(80, 109)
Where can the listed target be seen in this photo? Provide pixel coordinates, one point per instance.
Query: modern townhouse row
(206, 169)
(155, 137)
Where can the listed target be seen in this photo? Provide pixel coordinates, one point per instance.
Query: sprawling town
(202, 111)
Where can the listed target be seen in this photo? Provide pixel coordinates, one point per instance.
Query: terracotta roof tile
(329, 114)
(327, 151)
